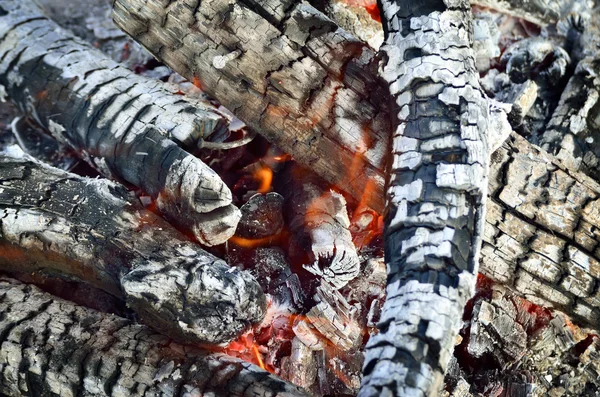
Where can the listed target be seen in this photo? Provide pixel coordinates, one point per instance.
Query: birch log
(122, 124)
(52, 347)
(95, 231)
(436, 194)
(498, 262)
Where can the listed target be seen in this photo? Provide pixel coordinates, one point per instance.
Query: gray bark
(122, 124)
(52, 347)
(436, 194)
(95, 231)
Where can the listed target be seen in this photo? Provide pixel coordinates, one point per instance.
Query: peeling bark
(53, 347)
(122, 124)
(436, 194)
(95, 231)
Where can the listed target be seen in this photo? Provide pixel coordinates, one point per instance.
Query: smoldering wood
(124, 125)
(95, 231)
(318, 218)
(54, 347)
(298, 79)
(539, 12)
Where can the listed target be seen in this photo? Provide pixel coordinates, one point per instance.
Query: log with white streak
(436, 195)
(93, 230)
(52, 347)
(122, 124)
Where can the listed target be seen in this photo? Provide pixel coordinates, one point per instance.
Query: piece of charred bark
(300, 366)
(95, 231)
(318, 219)
(122, 124)
(54, 347)
(262, 216)
(573, 131)
(542, 230)
(436, 194)
(284, 69)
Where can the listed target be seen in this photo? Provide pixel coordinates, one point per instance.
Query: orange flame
(265, 177)
(258, 357)
(252, 243)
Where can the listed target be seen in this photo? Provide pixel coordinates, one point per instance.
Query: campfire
(339, 198)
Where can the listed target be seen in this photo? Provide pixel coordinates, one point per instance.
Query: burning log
(319, 217)
(52, 346)
(540, 13)
(93, 230)
(436, 194)
(286, 70)
(122, 124)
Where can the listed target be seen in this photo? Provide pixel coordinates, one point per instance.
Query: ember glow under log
(53, 347)
(122, 124)
(95, 231)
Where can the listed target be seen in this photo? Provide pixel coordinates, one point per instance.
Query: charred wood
(319, 218)
(93, 230)
(122, 124)
(54, 347)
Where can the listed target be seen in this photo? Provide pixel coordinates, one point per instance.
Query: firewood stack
(212, 221)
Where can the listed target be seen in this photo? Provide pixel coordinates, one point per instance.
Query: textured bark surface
(436, 194)
(573, 132)
(542, 230)
(51, 347)
(359, 73)
(122, 124)
(283, 68)
(95, 231)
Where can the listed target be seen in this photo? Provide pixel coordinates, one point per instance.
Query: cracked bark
(122, 124)
(95, 231)
(53, 347)
(358, 77)
(436, 194)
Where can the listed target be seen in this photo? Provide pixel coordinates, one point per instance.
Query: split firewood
(124, 125)
(436, 195)
(54, 347)
(95, 231)
(319, 218)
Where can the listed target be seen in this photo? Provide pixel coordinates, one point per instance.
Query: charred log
(122, 124)
(54, 347)
(95, 231)
(436, 194)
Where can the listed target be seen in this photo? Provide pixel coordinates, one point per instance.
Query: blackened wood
(122, 124)
(95, 231)
(52, 347)
(283, 68)
(436, 194)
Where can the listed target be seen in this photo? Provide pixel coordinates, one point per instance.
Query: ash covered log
(122, 124)
(319, 219)
(539, 12)
(93, 230)
(436, 195)
(283, 68)
(53, 347)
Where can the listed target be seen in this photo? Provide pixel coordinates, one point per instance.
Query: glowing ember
(265, 177)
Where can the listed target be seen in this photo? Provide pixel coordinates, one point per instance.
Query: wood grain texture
(436, 194)
(52, 347)
(122, 124)
(95, 231)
